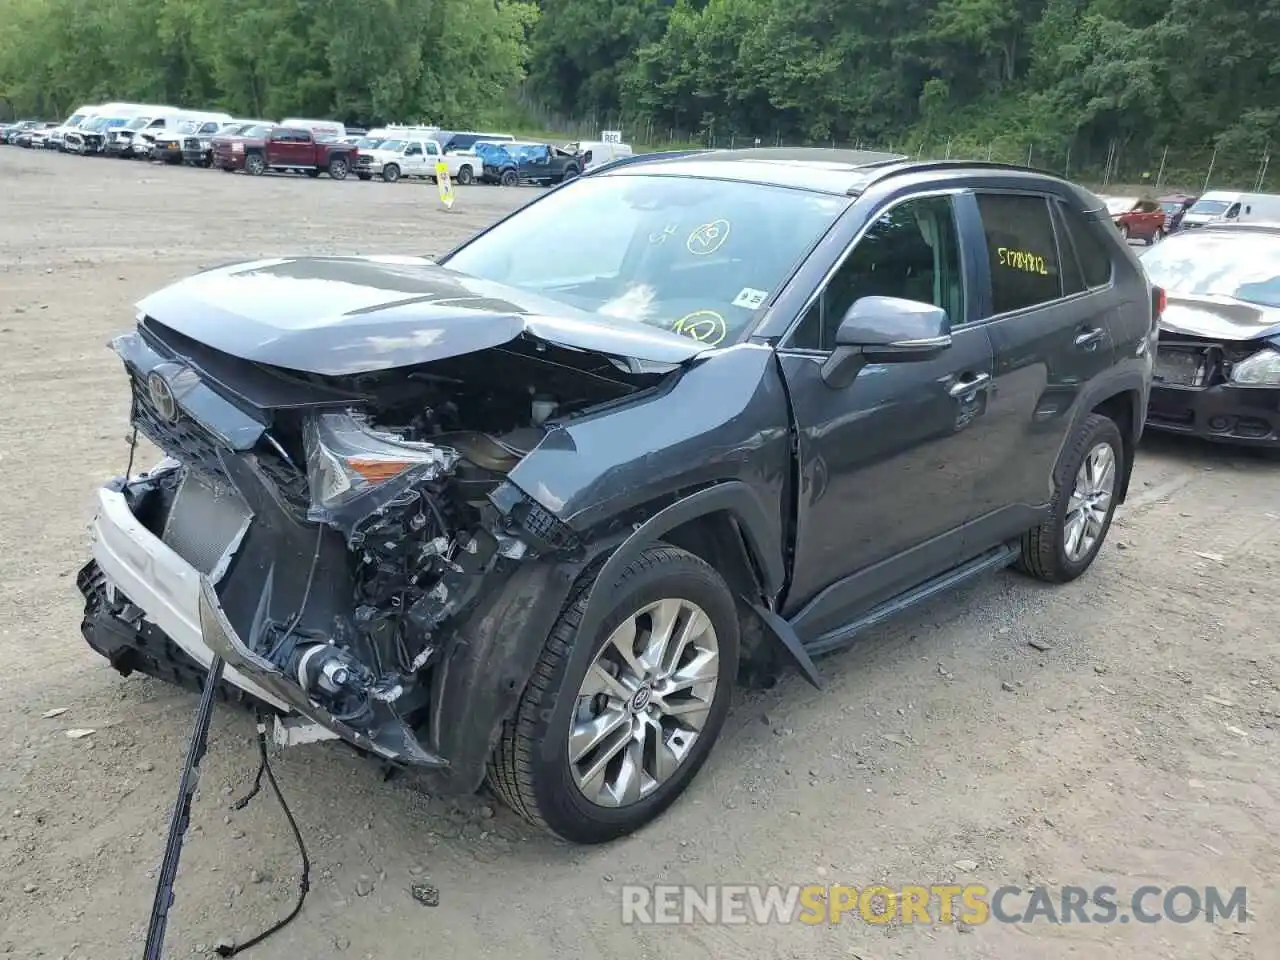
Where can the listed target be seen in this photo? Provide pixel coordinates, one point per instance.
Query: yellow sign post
(444, 184)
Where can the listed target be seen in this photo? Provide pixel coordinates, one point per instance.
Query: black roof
(821, 169)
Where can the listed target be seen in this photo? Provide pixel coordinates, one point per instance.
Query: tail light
(1159, 300)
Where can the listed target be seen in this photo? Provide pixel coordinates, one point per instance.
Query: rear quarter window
(1022, 251)
(1091, 251)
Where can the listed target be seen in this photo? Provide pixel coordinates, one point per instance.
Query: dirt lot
(1134, 743)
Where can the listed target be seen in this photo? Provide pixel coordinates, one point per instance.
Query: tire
(255, 165)
(338, 168)
(391, 173)
(365, 176)
(313, 174)
(1156, 237)
(569, 173)
(1124, 231)
(228, 169)
(466, 175)
(1045, 554)
(530, 768)
(509, 178)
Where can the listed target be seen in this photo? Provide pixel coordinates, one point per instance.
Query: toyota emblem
(162, 397)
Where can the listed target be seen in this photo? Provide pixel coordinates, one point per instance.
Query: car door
(1052, 335)
(413, 159)
(885, 482)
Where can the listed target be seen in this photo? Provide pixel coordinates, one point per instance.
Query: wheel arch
(1124, 409)
(726, 526)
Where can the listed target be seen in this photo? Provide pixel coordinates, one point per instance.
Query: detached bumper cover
(1225, 412)
(158, 581)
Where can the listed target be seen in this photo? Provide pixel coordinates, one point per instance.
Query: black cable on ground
(304, 881)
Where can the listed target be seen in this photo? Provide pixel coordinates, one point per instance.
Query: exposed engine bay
(346, 522)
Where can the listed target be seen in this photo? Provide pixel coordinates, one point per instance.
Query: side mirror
(885, 330)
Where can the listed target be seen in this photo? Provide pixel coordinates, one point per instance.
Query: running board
(843, 636)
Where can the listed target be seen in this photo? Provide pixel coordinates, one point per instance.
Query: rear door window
(1022, 251)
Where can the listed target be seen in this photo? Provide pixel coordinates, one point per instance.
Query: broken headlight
(1261, 369)
(354, 469)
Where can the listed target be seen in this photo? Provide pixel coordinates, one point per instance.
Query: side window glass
(1234, 211)
(1021, 250)
(1072, 272)
(912, 251)
(1095, 261)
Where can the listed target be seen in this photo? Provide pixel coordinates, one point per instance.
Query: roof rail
(888, 169)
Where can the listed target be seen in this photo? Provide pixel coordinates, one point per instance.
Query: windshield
(115, 123)
(1120, 204)
(137, 123)
(74, 119)
(188, 126)
(393, 145)
(1245, 265)
(261, 130)
(1213, 208)
(1170, 206)
(690, 255)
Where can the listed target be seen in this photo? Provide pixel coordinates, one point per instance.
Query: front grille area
(201, 451)
(191, 144)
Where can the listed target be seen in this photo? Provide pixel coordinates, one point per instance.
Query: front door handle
(969, 384)
(1090, 338)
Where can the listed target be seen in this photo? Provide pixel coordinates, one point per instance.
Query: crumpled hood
(342, 315)
(1220, 318)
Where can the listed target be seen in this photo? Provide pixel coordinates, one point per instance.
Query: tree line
(1135, 73)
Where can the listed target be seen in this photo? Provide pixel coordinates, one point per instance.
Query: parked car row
(298, 145)
(1148, 220)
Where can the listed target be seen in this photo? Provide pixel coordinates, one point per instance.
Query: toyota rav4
(528, 512)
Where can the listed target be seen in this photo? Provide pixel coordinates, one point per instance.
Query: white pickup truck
(414, 156)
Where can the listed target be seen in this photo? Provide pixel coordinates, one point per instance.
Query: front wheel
(1156, 237)
(466, 175)
(255, 165)
(1084, 501)
(617, 721)
(338, 169)
(1124, 232)
(391, 173)
(509, 178)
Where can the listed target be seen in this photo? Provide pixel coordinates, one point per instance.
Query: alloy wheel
(1090, 502)
(643, 703)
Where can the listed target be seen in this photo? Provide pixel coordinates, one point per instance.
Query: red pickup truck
(260, 149)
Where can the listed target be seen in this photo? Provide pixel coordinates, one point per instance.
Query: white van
(1217, 206)
(595, 153)
(89, 110)
(96, 130)
(319, 128)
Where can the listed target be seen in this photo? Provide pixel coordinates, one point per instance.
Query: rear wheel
(615, 723)
(391, 173)
(338, 168)
(1084, 501)
(466, 175)
(255, 165)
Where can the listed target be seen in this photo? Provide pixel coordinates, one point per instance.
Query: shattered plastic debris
(426, 894)
(55, 712)
(79, 733)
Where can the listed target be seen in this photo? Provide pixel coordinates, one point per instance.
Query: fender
(740, 501)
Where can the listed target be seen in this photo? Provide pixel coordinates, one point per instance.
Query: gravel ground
(1121, 730)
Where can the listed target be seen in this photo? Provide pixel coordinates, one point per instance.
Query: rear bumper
(1224, 413)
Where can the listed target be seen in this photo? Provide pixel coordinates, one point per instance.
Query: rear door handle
(1088, 339)
(969, 384)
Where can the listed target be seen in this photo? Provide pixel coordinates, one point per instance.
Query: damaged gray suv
(530, 511)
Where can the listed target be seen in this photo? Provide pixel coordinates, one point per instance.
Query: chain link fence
(1114, 166)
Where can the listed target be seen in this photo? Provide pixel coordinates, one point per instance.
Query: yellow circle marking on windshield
(708, 238)
(705, 326)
